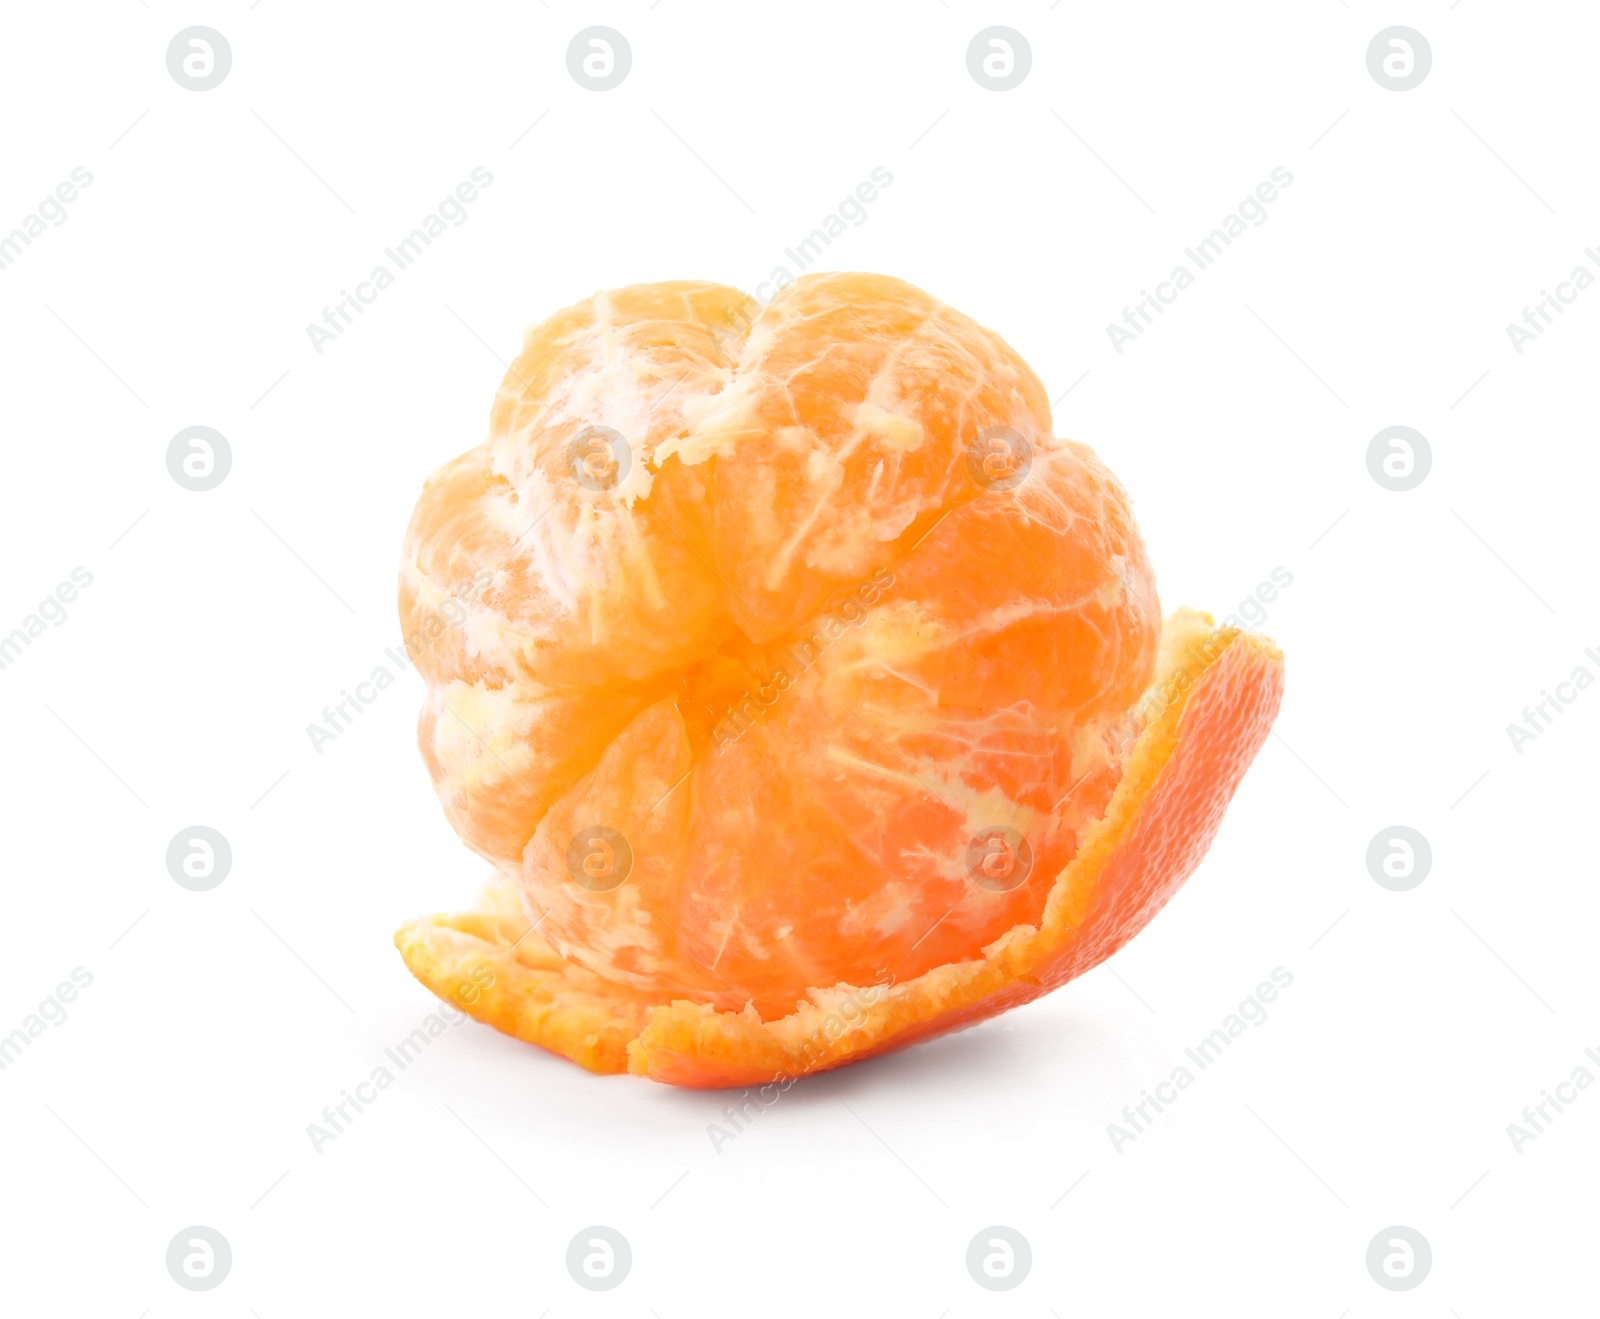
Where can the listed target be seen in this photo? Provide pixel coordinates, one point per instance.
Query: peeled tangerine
(807, 694)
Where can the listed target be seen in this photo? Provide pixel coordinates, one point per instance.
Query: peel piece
(1199, 725)
(492, 964)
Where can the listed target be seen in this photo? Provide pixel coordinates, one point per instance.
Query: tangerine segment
(1205, 716)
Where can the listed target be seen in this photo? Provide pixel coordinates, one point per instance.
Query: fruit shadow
(1071, 1060)
(976, 1059)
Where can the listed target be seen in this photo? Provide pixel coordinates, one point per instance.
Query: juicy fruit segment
(777, 648)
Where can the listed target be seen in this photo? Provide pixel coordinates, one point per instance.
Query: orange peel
(782, 876)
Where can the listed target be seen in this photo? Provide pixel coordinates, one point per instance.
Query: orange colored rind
(1195, 732)
(493, 965)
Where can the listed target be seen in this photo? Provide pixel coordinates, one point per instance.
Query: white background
(218, 624)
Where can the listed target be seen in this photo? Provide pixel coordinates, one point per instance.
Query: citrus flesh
(800, 685)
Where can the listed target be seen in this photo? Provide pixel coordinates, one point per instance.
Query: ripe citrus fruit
(807, 695)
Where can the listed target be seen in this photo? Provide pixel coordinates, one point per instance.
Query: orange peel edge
(1206, 715)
